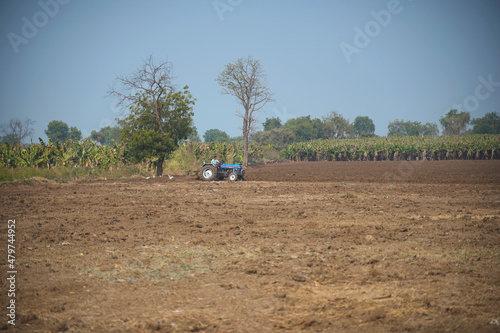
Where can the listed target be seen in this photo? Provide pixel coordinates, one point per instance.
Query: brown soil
(303, 246)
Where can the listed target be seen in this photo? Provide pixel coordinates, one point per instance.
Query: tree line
(301, 129)
(335, 126)
(159, 117)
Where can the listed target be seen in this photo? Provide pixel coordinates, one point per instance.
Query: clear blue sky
(412, 60)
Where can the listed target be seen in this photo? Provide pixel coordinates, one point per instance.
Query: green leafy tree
(236, 139)
(489, 124)
(411, 128)
(318, 127)
(271, 123)
(245, 80)
(364, 127)
(57, 131)
(305, 128)
(278, 137)
(194, 137)
(336, 126)
(398, 128)
(454, 122)
(159, 117)
(106, 135)
(215, 135)
(74, 134)
(429, 129)
(16, 131)
(140, 130)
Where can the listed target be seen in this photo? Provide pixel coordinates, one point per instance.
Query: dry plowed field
(299, 246)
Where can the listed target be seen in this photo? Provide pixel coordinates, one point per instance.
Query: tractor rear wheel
(208, 173)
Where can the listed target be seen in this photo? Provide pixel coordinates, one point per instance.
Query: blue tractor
(219, 171)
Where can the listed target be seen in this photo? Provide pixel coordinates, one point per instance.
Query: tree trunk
(246, 131)
(159, 167)
(245, 149)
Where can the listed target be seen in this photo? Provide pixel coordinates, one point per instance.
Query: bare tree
(150, 80)
(15, 131)
(245, 80)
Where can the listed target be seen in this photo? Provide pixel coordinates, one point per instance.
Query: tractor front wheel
(208, 173)
(233, 176)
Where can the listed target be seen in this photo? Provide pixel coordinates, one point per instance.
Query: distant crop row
(397, 148)
(86, 153)
(227, 152)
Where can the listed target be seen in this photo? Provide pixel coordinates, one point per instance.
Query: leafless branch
(153, 80)
(17, 130)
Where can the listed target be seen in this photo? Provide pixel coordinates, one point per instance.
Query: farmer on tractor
(215, 170)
